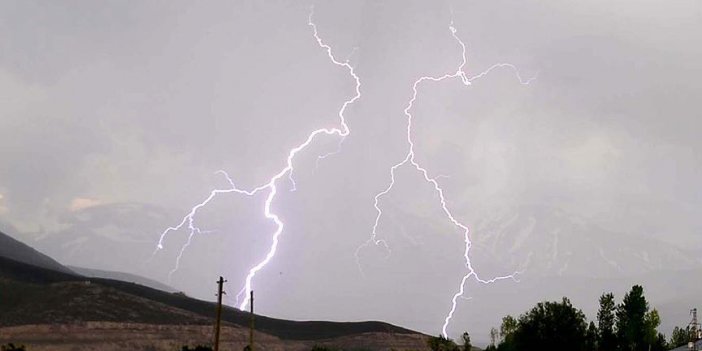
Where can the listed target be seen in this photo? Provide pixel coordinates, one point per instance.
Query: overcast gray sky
(115, 116)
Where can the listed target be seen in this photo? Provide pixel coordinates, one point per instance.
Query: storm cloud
(115, 116)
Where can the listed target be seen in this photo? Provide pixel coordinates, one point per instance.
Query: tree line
(630, 325)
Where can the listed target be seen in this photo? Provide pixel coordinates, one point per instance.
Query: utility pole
(251, 329)
(220, 292)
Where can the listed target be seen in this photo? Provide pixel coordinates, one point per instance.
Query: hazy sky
(115, 116)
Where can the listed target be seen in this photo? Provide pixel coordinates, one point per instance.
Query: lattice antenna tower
(694, 326)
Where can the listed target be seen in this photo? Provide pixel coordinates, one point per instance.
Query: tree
(494, 334)
(679, 337)
(507, 330)
(442, 343)
(651, 322)
(631, 320)
(607, 340)
(467, 346)
(12, 347)
(660, 344)
(551, 326)
(509, 325)
(591, 337)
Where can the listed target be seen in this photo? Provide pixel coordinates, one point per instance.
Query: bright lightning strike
(270, 187)
(410, 159)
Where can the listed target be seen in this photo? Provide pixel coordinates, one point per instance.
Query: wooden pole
(251, 329)
(220, 282)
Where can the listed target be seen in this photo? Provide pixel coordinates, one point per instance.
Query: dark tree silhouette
(631, 321)
(551, 326)
(660, 344)
(629, 326)
(651, 322)
(508, 327)
(607, 339)
(591, 337)
(442, 343)
(680, 337)
(12, 347)
(467, 346)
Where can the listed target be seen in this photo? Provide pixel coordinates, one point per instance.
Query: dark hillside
(18, 251)
(13, 270)
(34, 295)
(284, 329)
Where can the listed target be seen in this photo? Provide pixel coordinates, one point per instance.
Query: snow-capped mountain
(550, 242)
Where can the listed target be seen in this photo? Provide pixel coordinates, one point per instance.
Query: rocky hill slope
(51, 309)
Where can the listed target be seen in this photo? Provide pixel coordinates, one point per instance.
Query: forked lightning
(410, 159)
(271, 186)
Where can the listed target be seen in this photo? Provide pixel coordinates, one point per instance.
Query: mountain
(41, 283)
(127, 277)
(35, 295)
(38, 304)
(551, 242)
(18, 251)
(92, 237)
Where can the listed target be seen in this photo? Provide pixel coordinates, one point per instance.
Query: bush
(442, 343)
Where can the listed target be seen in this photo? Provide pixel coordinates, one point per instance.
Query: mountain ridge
(35, 296)
(123, 276)
(19, 251)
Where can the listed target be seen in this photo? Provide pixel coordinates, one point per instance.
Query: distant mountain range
(37, 292)
(551, 242)
(127, 277)
(92, 236)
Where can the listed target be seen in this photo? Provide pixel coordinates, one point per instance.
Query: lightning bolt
(409, 159)
(271, 186)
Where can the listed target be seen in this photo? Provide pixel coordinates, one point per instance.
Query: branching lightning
(410, 159)
(271, 186)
